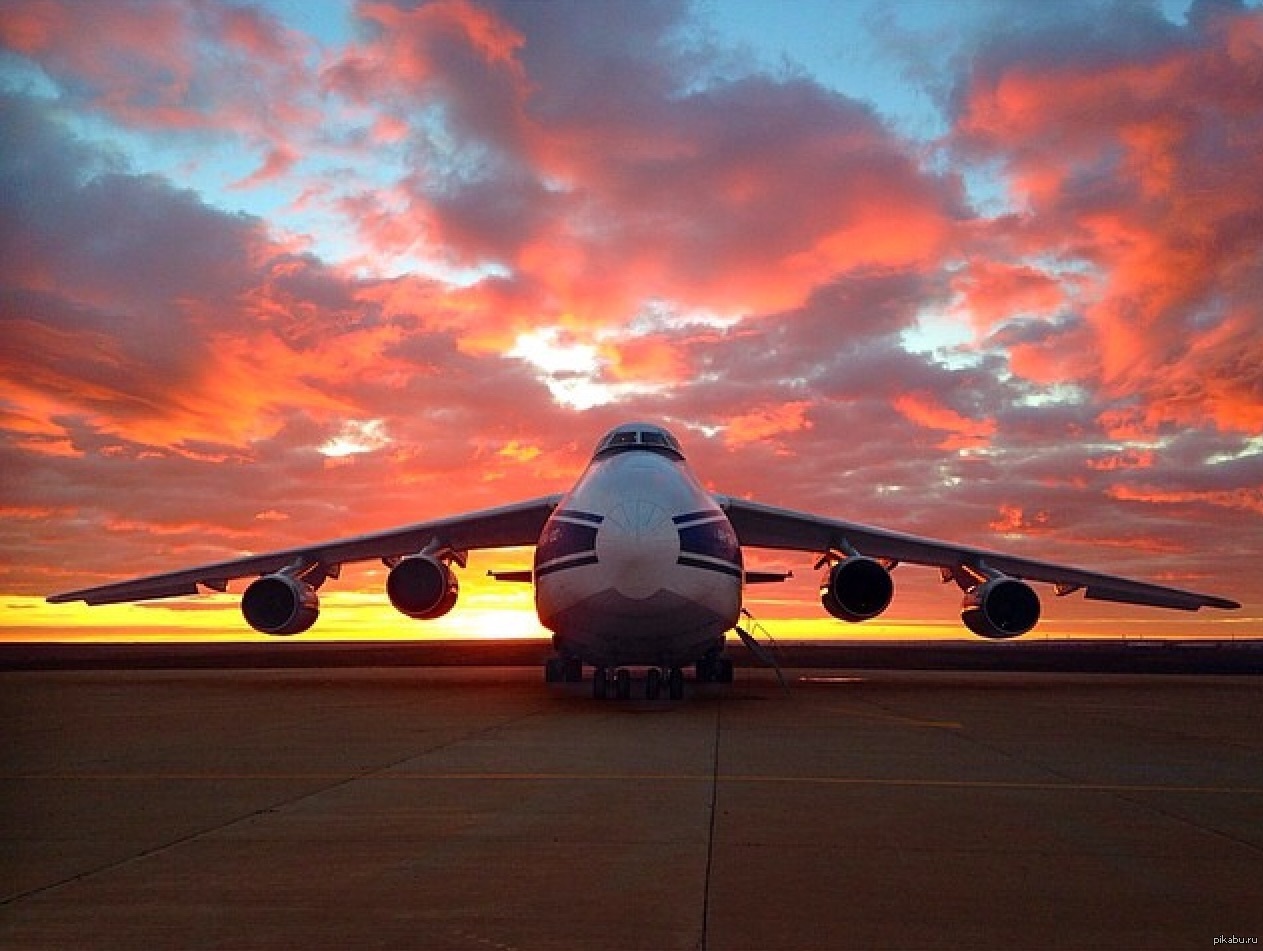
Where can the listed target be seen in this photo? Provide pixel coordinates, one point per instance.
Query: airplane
(639, 566)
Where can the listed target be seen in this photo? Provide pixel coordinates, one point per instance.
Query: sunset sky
(279, 272)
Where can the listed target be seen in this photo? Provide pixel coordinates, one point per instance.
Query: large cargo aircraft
(639, 566)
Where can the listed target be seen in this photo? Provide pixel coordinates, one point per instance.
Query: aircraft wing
(504, 527)
(763, 526)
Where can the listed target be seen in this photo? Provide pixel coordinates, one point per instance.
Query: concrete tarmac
(479, 809)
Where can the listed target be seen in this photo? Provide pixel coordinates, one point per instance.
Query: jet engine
(280, 604)
(1001, 608)
(856, 588)
(422, 587)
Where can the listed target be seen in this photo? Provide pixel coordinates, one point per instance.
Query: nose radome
(638, 545)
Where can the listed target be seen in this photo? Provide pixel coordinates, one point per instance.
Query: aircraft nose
(638, 544)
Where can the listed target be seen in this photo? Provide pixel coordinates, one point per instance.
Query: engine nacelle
(1001, 608)
(422, 587)
(279, 604)
(856, 589)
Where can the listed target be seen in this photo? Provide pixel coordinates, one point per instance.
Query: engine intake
(1001, 608)
(856, 589)
(422, 587)
(280, 605)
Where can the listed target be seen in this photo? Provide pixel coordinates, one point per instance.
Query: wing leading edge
(504, 527)
(764, 526)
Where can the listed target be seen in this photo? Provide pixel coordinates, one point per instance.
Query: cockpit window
(650, 438)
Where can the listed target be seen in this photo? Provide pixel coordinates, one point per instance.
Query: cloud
(991, 292)
(964, 433)
(767, 422)
(156, 341)
(128, 300)
(1127, 149)
(175, 68)
(541, 206)
(661, 181)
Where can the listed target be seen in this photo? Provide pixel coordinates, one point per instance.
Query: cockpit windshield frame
(643, 437)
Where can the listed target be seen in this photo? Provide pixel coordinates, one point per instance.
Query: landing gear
(675, 684)
(653, 683)
(553, 670)
(601, 683)
(617, 683)
(714, 669)
(563, 670)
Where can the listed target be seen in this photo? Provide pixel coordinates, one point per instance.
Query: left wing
(504, 527)
(763, 526)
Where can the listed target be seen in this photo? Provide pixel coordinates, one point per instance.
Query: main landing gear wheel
(716, 669)
(653, 683)
(622, 684)
(617, 683)
(675, 684)
(563, 670)
(600, 683)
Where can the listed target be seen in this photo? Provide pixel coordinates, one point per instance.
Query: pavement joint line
(1205, 829)
(379, 775)
(1007, 752)
(710, 829)
(895, 718)
(334, 781)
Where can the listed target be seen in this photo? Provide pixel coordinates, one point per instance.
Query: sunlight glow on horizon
(367, 616)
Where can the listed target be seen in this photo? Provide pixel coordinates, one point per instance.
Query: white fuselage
(638, 565)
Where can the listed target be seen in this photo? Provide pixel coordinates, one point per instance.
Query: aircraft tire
(723, 670)
(653, 683)
(675, 684)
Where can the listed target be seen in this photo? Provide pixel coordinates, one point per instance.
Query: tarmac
(476, 808)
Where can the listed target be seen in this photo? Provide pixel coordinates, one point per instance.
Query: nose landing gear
(617, 683)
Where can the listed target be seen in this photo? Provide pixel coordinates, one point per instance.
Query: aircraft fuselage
(638, 565)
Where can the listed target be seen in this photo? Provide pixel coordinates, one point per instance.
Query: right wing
(505, 527)
(765, 526)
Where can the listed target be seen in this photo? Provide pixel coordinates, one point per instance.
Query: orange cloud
(1125, 172)
(1126, 459)
(739, 198)
(963, 432)
(1243, 499)
(993, 291)
(515, 451)
(766, 422)
(1014, 520)
(647, 360)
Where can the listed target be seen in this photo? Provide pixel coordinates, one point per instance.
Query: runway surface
(476, 808)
